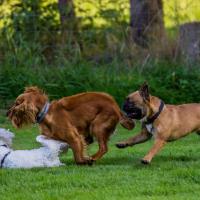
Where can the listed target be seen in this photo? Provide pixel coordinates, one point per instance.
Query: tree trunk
(189, 41)
(67, 14)
(146, 21)
(67, 20)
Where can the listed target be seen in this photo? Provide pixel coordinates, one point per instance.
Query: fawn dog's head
(137, 103)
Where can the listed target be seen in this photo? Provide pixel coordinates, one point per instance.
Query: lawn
(173, 174)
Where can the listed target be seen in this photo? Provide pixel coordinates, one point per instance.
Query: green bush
(173, 83)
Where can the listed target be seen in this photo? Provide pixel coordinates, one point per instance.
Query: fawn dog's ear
(144, 92)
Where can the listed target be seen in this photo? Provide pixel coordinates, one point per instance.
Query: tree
(68, 20)
(67, 14)
(146, 21)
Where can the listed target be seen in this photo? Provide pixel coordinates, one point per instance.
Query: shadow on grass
(130, 160)
(177, 158)
(135, 160)
(122, 160)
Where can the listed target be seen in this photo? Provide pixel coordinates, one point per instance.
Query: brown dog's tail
(126, 122)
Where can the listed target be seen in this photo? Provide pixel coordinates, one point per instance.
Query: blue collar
(42, 113)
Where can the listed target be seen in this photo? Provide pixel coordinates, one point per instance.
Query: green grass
(173, 174)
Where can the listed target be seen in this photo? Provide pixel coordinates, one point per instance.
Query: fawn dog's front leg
(143, 136)
(159, 143)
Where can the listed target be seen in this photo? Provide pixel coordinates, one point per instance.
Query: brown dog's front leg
(159, 143)
(139, 138)
(77, 145)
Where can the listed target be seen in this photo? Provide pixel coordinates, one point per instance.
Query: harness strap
(5, 156)
(155, 116)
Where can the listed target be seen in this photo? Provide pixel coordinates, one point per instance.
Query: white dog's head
(6, 137)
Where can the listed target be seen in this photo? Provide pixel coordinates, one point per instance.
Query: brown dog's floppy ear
(33, 89)
(23, 114)
(144, 92)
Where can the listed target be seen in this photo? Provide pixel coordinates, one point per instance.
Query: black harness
(150, 120)
(5, 156)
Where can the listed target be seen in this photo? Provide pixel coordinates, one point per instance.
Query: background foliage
(102, 58)
(174, 84)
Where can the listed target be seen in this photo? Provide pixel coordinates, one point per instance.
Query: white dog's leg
(52, 144)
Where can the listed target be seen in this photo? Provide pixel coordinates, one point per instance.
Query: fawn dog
(165, 122)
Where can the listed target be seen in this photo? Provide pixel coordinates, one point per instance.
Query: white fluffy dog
(46, 156)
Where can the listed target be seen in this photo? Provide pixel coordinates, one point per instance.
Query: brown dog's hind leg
(159, 143)
(102, 128)
(102, 136)
(137, 139)
(198, 132)
(103, 147)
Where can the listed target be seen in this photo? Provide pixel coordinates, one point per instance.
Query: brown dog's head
(137, 104)
(27, 106)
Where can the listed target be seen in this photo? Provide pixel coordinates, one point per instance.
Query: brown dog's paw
(90, 162)
(145, 162)
(85, 162)
(121, 145)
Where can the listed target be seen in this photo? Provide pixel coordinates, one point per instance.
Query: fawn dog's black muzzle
(132, 110)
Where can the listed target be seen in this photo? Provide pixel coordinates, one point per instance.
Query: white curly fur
(46, 156)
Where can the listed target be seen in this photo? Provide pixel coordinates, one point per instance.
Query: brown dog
(165, 122)
(73, 119)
